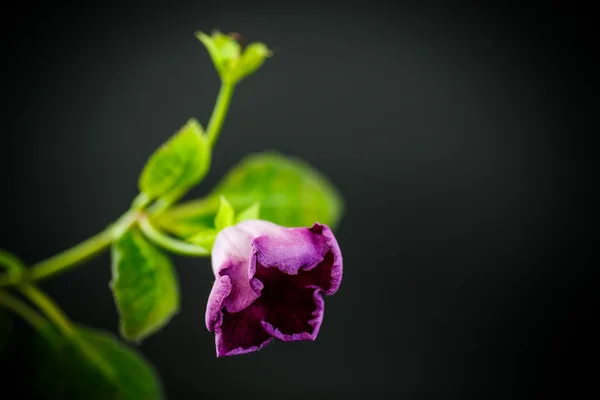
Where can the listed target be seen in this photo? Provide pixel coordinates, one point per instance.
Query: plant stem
(23, 310)
(65, 326)
(14, 266)
(83, 251)
(193, 208)
(71, 257)
(11, 262)
(48, 307)
(212, 133)
(219, 112)
(96, 244)
(75, 255)
(140, 201)
(169, 243)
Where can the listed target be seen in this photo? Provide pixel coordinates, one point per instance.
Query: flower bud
(269, 284)
(232, 62)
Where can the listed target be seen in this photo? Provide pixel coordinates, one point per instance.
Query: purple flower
(269, 281)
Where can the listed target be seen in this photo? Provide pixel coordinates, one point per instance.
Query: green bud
(253, 57)
(231, 61)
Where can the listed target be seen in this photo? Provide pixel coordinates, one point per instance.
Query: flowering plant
(267, 227)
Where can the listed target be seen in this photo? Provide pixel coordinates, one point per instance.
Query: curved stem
(75, 255)
(48, 307)
(14, 266)
(193, 208)
(169, 243)
(163, 203)
(23, 310)
(220, 111)
(98, 243)
(11, 262)
(217, 118)
(140, 201)
(71, 257)
(65, 326)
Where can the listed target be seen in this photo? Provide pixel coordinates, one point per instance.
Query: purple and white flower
(269, 284)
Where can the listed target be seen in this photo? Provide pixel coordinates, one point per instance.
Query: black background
(458, 137)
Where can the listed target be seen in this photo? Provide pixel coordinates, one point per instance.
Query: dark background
(459, 138)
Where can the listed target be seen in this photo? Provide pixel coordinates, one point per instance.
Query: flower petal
(231, 256)
(269, 283)
(230, 292)
(220, 290)
(292, 312)
(241, 332)
(333, 260)
(314, 252)
(244, 290)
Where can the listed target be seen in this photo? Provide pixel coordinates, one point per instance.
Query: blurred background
(458, 137)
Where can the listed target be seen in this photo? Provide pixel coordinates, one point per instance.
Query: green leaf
(205, 238)
(6, 329)
(252, 212)
(65, 370)
(178, 164)
(291, 193)
(225, 216)
(144, 285)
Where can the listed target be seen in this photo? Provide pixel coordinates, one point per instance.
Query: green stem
(140, 202)
(83, 251)
(48, 307)
(165, 202)
(213, 130)
(169, 243)
(14, 266)
(65, 326)
(23, 310)
(220, 111)
(71, 257)
(193, 208)
(75, 255)
(11, 262)
(98, 243)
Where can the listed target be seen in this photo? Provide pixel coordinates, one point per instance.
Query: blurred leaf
(205, 238)
(144, 285)
(225, 215)
(252, 212)
(65, 371)
(291, 193)
(178, 164)
(6, 329)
